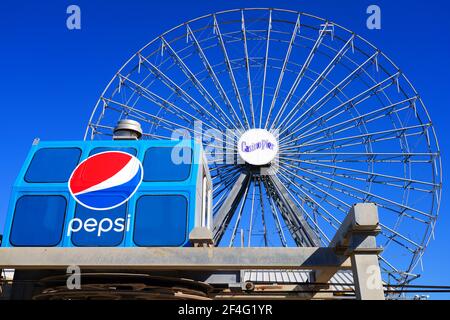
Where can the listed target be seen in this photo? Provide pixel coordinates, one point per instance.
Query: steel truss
(207, 272)
(351, 128)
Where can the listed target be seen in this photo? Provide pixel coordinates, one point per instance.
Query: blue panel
(104, 229)
(160, 220)
(38, 221)
(159, 166)
(41, 207)
(131, 151)
(52, 165)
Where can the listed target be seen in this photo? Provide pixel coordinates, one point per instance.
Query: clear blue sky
(51, 77)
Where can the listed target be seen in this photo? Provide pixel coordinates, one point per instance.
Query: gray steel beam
(300, 229)
(358, 230)
(169, 258)
(225, 213)
(356, 238)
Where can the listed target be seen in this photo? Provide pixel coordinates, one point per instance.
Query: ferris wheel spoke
(398, 234)
(247, 66)
(230, 72)
(128, 112)
(363, 197)
(328, 217)
(252, 210)
(358, 121)
(224, 175)
(225, 212)
(367, 137)
(176, 89)
(371, 156)
(212, 74)
(318, 188)
(404, 186)
(302, 72)
(222, 166)
(225, 171)
(111, 130)
(198, 85)
(332, 92)
(393, 239)
(263, 212)
(153, 98)
(218, 200)
(389, 265)
(304, 235)
(331, 185)
(276, 218)
(225, 181)
(325, 148)
(350, 103)
(283, 70)
(372, 180)
(343, 206)
(313, 87)
(144, 116)
(308, 193)
(348, 206)
(266, 61)
(370, 174)
(239, 214)
(226, 187)
(163, 105)
(368, 194)
(319, 232)
(170, 107)
(155, 136)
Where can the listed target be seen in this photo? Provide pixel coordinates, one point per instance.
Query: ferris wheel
(343, 122)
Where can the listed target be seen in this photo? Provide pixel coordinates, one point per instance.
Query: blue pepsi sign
(106, 193)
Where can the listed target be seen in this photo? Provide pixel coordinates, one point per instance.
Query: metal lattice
(351, 127)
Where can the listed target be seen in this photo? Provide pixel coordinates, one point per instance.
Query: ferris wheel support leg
(225, 213)
(356, 239)
(361, 226)
(367, 277)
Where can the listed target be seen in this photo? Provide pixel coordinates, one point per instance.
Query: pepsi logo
(106, 180)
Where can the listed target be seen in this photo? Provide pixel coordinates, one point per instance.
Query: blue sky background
(51, 77)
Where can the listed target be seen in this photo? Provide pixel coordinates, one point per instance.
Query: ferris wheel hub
(258, 147)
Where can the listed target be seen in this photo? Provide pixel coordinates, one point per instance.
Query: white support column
(367, 276)
(356, 239)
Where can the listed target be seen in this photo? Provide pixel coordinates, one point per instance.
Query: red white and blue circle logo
(106, 180)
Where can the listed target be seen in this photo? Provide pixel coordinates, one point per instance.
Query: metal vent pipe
(127, 129)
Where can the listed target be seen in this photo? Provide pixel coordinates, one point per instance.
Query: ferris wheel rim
(251, 9)
(430, 227)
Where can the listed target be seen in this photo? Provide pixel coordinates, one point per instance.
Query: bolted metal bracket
(201, 237)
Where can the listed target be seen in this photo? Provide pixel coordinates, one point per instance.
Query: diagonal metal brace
(226, 211)
(301, 231)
